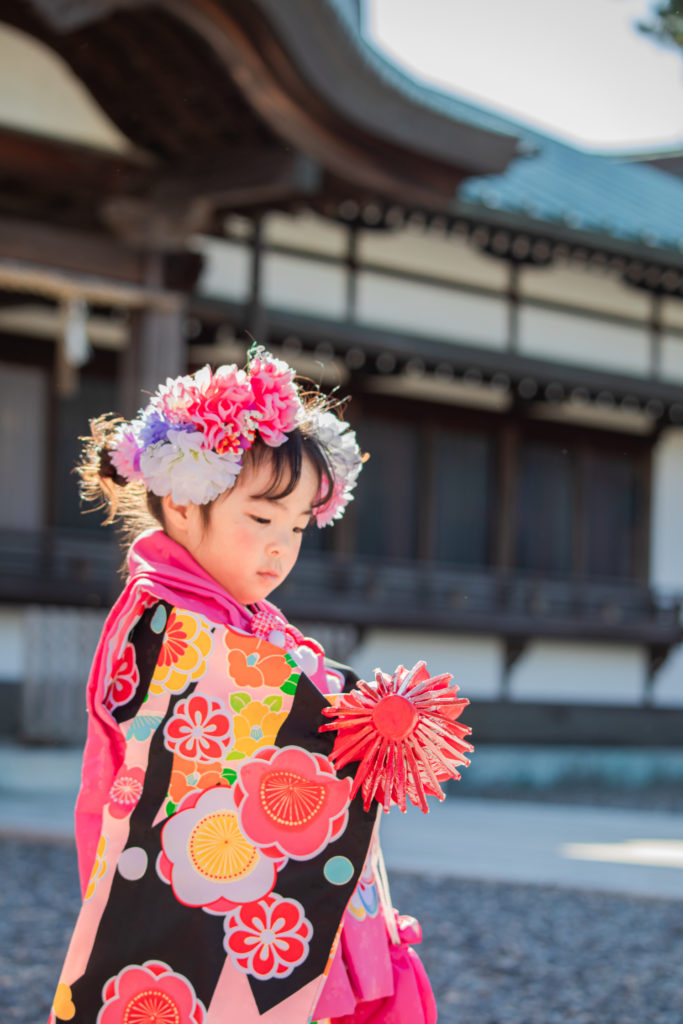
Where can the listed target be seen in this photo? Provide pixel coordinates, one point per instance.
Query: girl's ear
(179, 519)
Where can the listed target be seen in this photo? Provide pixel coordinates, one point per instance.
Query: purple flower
(153, 427)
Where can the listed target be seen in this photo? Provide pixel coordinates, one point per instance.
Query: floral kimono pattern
(230, 848)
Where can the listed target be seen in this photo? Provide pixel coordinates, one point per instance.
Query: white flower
(340, 443)
(188, 472)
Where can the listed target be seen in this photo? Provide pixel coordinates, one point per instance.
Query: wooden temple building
(505, 311)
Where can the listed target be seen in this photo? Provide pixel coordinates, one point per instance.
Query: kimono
(227, 875)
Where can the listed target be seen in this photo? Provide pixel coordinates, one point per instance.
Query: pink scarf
(159, 568)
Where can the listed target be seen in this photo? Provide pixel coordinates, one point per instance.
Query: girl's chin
(256, 594)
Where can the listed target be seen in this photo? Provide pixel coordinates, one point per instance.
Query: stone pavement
(620, 850)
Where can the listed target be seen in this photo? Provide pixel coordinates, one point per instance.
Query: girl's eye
(261, 520)
(301, 529)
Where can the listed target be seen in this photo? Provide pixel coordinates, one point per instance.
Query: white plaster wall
(602, 291)
(671, 312)
(581, 340)
(474, 662)
(558, 672)
(226, 273)
(666, 552)
(40, 94)
(12, 644)
(306, 230)
(304, 285)
(668, 684)
(450, 258)
(430, 310)
(672, 357)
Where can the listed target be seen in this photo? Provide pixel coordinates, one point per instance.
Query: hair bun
(108, 470)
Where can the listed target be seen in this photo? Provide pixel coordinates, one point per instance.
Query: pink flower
(200, 729)
(276, 398)
(206, 857)
(124, 681)
(291, 801)
(268, 939)
(125, 792)
(151, 993)
(175, 398)
(335, 506)
(125, 453)
(219, 408)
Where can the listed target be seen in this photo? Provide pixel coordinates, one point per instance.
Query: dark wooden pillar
(257, 321)
(505, 520)
(157, 348)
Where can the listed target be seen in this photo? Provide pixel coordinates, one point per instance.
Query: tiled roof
(560, 184)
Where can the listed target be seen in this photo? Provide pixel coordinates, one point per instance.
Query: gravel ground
(496, 954)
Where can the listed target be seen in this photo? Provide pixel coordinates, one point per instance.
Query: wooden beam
(239, 176)
(70, 250)
(59, 165)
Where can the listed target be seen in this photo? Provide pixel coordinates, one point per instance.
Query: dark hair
(136, 509)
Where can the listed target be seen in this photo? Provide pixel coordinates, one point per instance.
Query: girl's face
(250, 544)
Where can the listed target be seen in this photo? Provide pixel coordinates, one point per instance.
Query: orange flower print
(187, 776)
(182, 658)
(254, 663)
(256, 724)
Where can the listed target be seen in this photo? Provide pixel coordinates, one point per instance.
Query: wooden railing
(79, 568)
(421, 595)
(57, 566)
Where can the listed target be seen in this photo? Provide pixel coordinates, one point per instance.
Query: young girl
(229, 873)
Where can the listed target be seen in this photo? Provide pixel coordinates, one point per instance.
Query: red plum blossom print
(268, 939)
(124, 680)
(125, 792)
(151, 993)
(199, 729)
(291, 801)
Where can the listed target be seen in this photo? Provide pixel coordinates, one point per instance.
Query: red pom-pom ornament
(403, 731)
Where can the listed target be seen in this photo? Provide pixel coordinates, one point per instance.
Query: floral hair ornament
(402, 730)
(190, 438)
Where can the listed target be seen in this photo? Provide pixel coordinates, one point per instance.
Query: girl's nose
(277, 545)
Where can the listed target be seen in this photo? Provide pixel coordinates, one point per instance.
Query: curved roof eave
(325, 38)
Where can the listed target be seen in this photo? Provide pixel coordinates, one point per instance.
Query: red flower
(124, 681)
(291, 801)
(125, 792)
(199, 729)
(151, 993)
(268, 939)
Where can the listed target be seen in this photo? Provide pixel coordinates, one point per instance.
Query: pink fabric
(337, 996)
(412, 1001)
(158, 568)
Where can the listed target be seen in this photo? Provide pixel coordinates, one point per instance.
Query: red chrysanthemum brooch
(403, 731)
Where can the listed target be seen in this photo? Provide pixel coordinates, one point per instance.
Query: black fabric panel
(147, 645)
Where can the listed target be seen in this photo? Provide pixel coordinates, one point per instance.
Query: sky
(576, 68)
